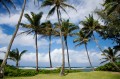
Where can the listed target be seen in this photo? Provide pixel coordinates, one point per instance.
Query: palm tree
(33, 27)
(58, 5)
(112, 54)
(111, 28)
(4, 3)
(91, 26)
(16, 55)
(67, 29)
(14, 35)
(111, 6)
(83, 39)
(48, 33)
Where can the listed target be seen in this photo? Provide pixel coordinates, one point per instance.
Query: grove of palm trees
(47, 39)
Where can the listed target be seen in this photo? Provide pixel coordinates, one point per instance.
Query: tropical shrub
(15, 72)
(108, 67)
(12, 71)
(43, 71)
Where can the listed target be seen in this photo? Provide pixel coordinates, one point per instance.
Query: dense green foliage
(112, 54)
(12, 71)
(108, 67)
(16, 55)
(57, 71)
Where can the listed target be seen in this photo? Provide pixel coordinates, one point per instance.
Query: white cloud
(2, 50)
(80, 26)
(4, 38)
(2, 55)
(78, 57)
(84, 8)
(56, 41)
(22, 40)
(12, 20)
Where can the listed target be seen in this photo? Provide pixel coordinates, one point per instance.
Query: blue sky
(26, 42)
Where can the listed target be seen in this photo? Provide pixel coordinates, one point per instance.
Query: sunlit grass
(79, 75)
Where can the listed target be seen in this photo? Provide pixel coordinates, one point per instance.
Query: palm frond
(47, 3)
(64, 11)
(24, 51)
(27, 25)
(73, 28)
(104, 61)
(10, 58)
(79, 44)
(17, 50)
(38, 18)
(66, 5)
(28, 18)
(105, 58)
(5, 6)
(30, 32)
(111, 9)
(23, 32)
(33, 14)
(76, 40)
(11, 2)
(51, 12)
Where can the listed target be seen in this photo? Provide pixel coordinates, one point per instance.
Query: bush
(12, 71)
(43, 71)
(108, 67)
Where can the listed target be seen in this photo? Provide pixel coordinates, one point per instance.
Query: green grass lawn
(78, 75)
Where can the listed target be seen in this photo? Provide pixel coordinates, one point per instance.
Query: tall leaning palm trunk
(88, 56)
(36, 51)
(68, 58)
(14, 35)
(61, 37)
(104, 53)
(50, 51)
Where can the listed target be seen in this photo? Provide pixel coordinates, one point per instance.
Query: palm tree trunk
(65, 38)
(16, 64)
(13, 37)
(36, 51)
(50, 51)
(104, 53)
(89, 57)
(63, 56)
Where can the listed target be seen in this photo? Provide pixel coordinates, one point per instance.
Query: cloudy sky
(78, 55)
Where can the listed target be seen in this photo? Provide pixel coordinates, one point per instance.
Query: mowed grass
(78, 75)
